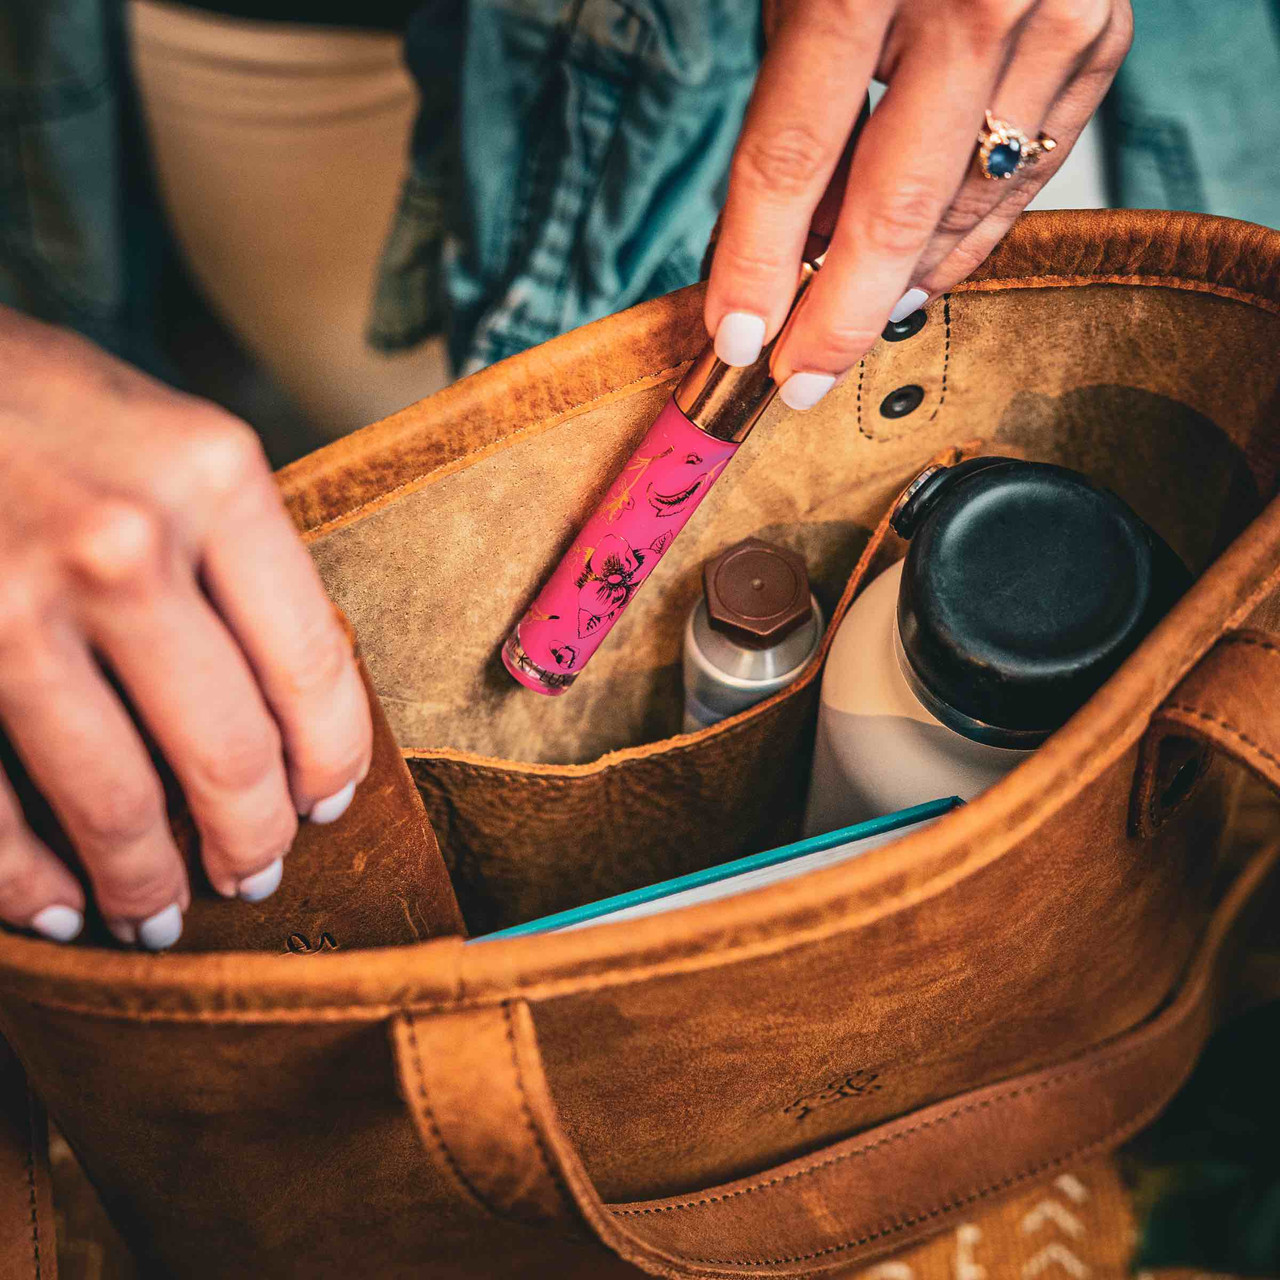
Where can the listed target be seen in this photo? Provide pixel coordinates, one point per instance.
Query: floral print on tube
(649, 502)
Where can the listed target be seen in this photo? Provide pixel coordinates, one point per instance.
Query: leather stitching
(946, 354)
(1243, 738)
(547, 1163)
(1252, 640)
(942, 395)
(31, 1186)
(1073, 1073)
(1113, 1135)
(437, 1137)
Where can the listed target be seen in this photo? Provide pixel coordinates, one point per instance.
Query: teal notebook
(728, 878)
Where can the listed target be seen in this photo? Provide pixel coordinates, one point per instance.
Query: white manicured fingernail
(262, 884)
(162, 929)
(910, 302)
(739, 338)
(58, 923)
(804, 390)
(331, 808)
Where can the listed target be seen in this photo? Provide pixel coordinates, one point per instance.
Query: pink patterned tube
(712, 411)
(648, 503)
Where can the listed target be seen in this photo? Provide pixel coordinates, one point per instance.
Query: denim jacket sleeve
(1193, 119)
(580, 173)
(60, 229)
(568, 161)
(80, 239)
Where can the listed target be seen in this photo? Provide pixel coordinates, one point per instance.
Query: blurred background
(317, 213)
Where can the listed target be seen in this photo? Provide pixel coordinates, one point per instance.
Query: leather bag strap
(474, 1082)
(27, 1249)
(1229, 701)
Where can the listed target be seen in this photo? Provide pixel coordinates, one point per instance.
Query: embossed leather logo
(298, 944)
(857, 1084)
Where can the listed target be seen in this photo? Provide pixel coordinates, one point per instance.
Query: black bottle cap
(1024, 588)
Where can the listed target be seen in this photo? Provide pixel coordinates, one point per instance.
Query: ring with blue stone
(1003, 148)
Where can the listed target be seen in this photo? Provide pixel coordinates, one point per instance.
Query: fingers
(74, 737)
(810, 91)
(906, 168)
(192, 687)
(267, 589)
(1065, 121)
(141, 529)
(36, 891)
(84, 754)
(1053, 45)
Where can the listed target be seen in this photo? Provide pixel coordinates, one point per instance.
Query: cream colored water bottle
(1023, 588)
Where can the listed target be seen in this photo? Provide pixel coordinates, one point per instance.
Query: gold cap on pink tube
(726, 401)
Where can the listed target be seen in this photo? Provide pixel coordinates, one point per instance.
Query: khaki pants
(279, 151)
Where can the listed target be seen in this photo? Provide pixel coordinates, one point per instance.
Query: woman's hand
(914, 214)
(141, 534)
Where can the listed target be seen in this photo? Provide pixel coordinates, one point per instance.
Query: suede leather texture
(257, 1112)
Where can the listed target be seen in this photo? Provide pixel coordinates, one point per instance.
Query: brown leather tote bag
(785, 1083)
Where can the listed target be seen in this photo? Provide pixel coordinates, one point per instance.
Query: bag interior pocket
(545, 803)
(634, 816)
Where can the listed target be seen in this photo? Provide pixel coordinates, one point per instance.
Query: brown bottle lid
(757, 593)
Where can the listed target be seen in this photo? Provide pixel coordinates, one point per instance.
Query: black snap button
(899, 403)
(908, 327)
